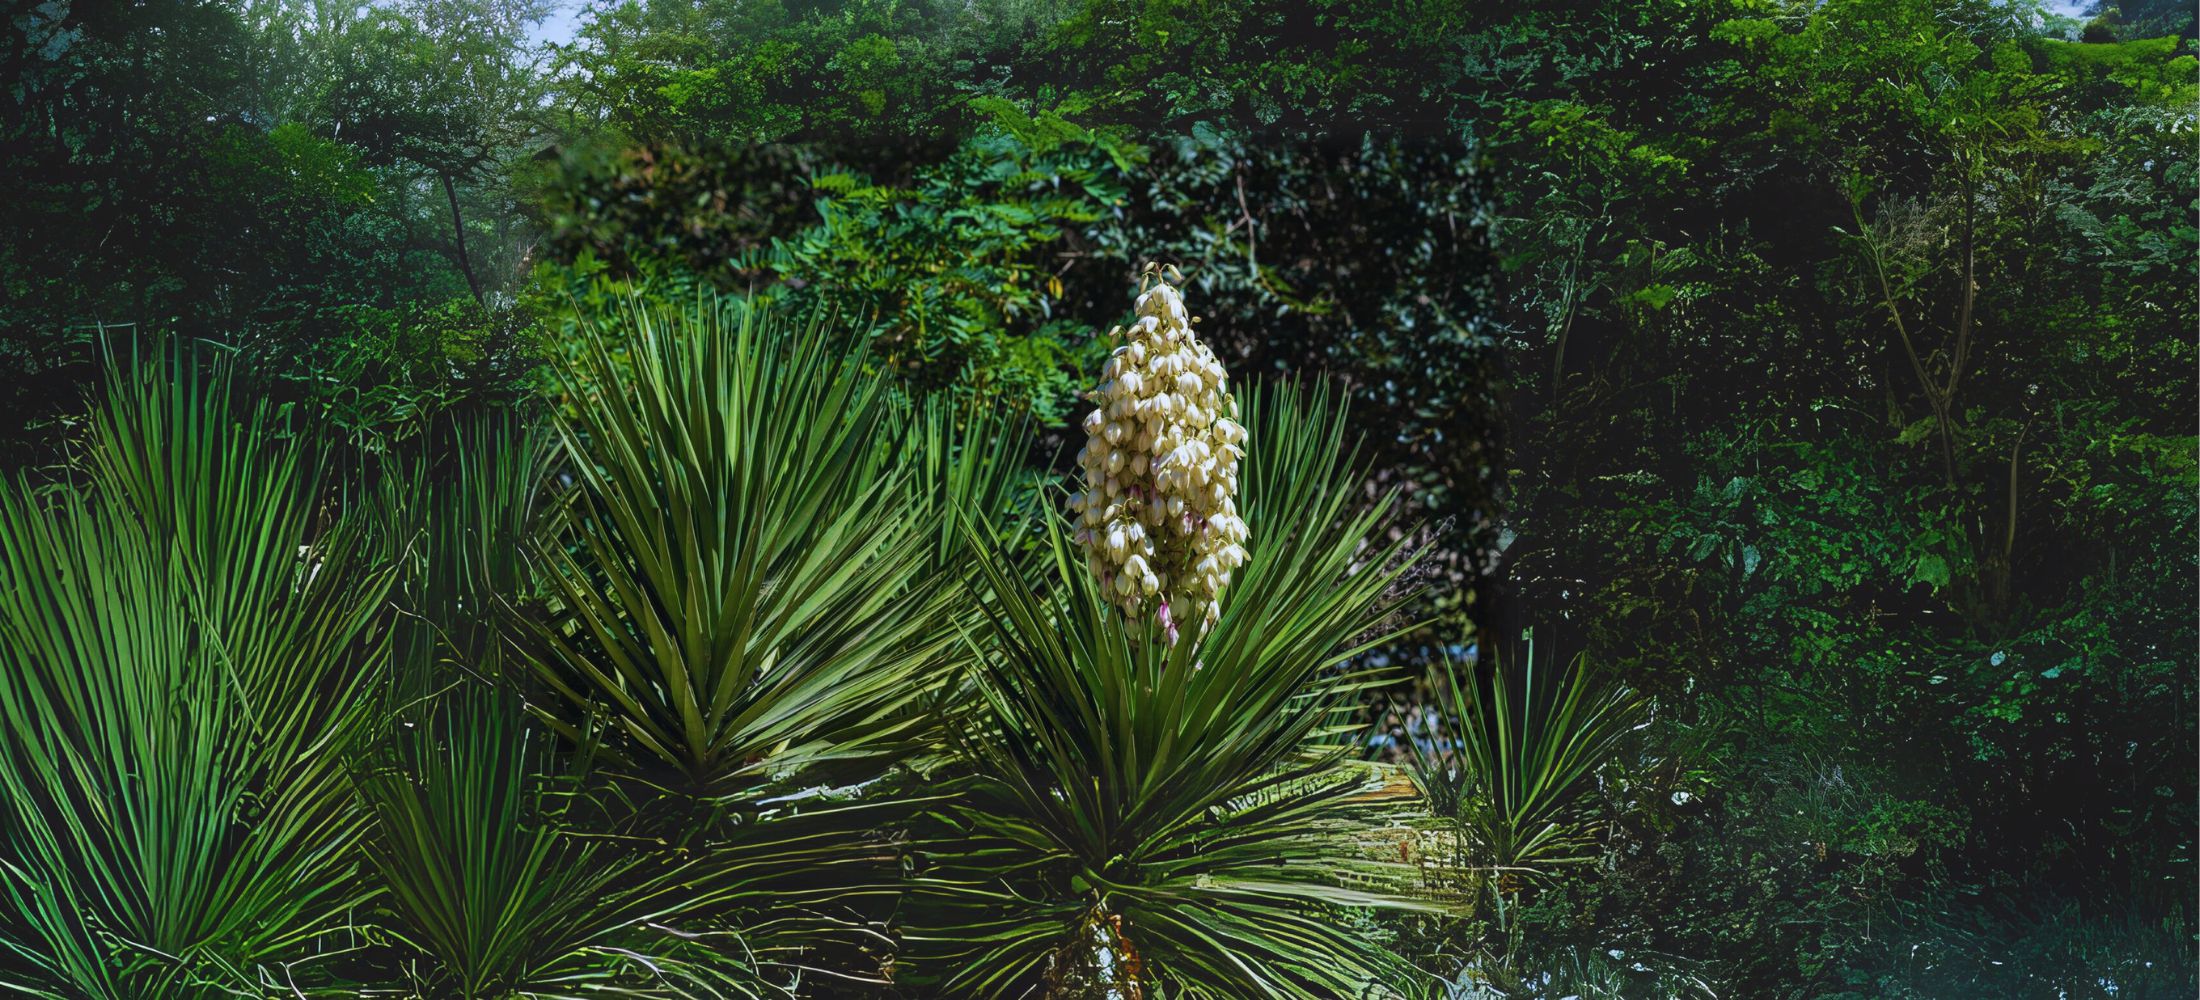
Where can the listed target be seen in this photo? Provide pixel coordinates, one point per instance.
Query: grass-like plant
(1145, 818)
(187, 651)
(461, 509)
(1514, 758)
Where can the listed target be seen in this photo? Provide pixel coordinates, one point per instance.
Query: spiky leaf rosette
(1158, 517)
(186, 667)
(1133, 813)
(484, 881)
(740, 583)
(747, 619)
(1519, 754)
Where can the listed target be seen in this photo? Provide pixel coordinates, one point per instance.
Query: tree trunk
(458, 232)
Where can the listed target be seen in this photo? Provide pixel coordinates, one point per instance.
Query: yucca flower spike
(1158, 517)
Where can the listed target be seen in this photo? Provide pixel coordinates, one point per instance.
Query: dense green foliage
(319, 186)
(1855, 415)
(571, 574)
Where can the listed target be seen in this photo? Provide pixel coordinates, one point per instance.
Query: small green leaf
(1915, 432)
(1931, 569)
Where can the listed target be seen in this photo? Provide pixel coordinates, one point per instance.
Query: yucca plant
(1506, 770)
(484, 880)
(1145, 818)
(484, 887)
(189, 640)
(739, 585)
(1513, 758)
(748, 610)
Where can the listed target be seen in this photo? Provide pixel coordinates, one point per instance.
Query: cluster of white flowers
(1158, 517)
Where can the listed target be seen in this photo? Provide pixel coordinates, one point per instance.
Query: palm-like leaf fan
(751, 610)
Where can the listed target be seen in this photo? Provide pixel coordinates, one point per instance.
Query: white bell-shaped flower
(1162, 450)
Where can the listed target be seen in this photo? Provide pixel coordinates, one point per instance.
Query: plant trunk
(1097, 963)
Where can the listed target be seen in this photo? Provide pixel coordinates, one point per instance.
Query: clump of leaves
(484, 876)
(1509, 767)
(1172, 816)
(188, 658)
(738, 583)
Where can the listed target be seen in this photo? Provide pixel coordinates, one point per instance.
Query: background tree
(1821, 340)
